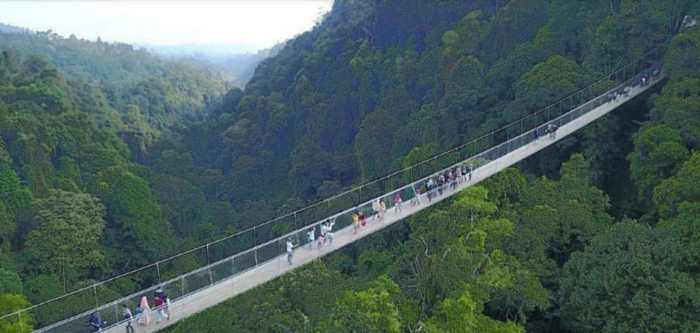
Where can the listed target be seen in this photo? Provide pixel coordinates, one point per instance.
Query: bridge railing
(183, 274)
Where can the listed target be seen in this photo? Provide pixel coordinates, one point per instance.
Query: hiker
(415, 201)
(138, 312)
(95, 322)
(162, 304)
(429, 188)
(145, 315)
(310, 236)
(329, 231)
(382, 209)
(440, 183)
(471, 169)
(363, 220)
(453, 178)
(355, 222)
(157, 306)
(128, 317)
(290, 250)
(375, 208)
(397, 202)
(552, 130)
(320, 236)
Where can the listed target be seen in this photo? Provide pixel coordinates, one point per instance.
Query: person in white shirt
(329, 230)
(310, 236)
(290, 250)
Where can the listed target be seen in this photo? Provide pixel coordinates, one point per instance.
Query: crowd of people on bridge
(141, 315)
(321, 235)
(447, 180)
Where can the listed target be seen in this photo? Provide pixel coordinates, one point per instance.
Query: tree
(68, 235)
(10, 303)
(464, 315)
(134, 218)
(658, 151)
(506, 188)
(685, 224)
(549, 81)
(682, 187)
(374, 143)
(17, 201)
(683, 57)
(370, 310)
(678, 106)
(638, 276)
(9, 282)
(7, 228)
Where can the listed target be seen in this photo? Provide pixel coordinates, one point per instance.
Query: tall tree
(68, 235)
(631, 279)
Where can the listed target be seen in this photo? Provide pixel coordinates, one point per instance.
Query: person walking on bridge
(95, 323)
(355, 222)
(329, 231)
(290, 250)
(144, 318)
(128, 317)
(375, 209)
(429, 185)
(162, 304)
(310, 237)
(397, 202)
(320, 236)
(552, 128)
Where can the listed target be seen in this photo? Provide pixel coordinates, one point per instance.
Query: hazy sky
(251, 24)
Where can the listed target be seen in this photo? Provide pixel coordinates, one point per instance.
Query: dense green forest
(111, 158)
(77, 204)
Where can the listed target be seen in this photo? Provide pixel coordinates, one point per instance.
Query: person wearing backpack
(95, 323)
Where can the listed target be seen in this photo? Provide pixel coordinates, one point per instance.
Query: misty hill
(129, 79)
(237, 67)
(6, 28)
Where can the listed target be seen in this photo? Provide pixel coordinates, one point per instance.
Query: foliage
(68, 232)
(463, 315)
(682, 187)
(638, 275)
(658, 152)
(10, 303)
(370, 310)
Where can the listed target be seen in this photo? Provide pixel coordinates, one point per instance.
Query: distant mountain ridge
(7, 28)
(236, 66)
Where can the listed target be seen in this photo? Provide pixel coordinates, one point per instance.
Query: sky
(247, 25)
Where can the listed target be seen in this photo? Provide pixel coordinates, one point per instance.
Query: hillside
(76, 205)
(375, 87)
(144, 95)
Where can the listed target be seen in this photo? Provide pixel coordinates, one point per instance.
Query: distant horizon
(219, 27)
